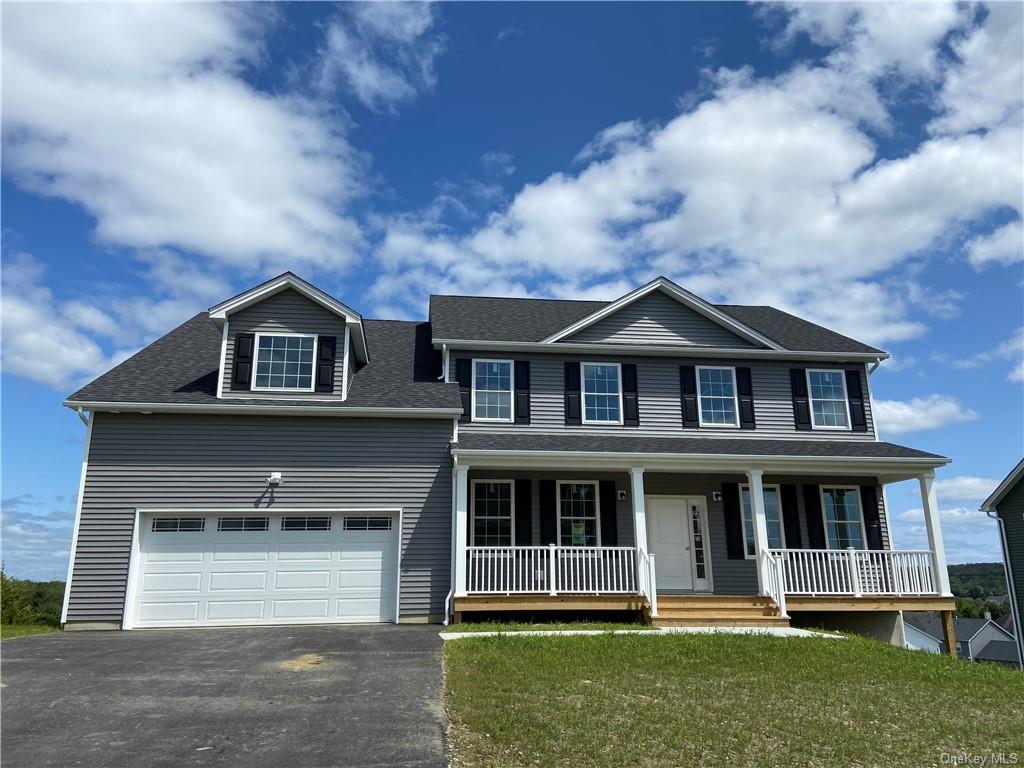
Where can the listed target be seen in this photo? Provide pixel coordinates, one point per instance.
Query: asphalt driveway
(301, 697)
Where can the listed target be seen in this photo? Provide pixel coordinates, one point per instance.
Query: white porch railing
(855, 572)
(552, 570)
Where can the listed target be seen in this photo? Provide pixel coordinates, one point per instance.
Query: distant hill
(972, 583)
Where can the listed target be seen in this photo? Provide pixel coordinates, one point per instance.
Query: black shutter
(745, 390)
(548, 512)
(326, 348)
(801, 407)
(734, 542)
(464, 375)
(241, 362)
(572, 394)
(609, 514)
(524, 522)
(855, 395)
(522, 391)
(790, 516)
(872, 521)
(630, 403)
(688, 394)
(815, 523)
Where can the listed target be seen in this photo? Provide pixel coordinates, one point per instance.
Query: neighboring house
(1006, 506)
(1000, 652)
(975, 638)
(280, 459)
(998, 599)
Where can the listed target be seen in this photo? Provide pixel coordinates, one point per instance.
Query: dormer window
(284, 362)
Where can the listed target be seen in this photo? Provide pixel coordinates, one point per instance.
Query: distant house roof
(998, 599)
(484, 318)
(1003, 651)
(930, 623)
(1008, 484)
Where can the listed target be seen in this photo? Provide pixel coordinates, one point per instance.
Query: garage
(310, 567)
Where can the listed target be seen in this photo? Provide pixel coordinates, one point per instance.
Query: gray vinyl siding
(659, 399)
(1011, 511)
(729, 576)
(658, 319)
(286, 312)
(211, 462)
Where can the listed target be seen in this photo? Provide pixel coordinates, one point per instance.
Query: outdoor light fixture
(274, 478)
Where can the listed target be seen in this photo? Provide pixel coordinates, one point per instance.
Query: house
(1006, 506)
(280, 459)
(976, 639)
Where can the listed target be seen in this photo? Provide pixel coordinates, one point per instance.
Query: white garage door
(231, 570)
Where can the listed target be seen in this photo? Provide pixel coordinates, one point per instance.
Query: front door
(677, 535)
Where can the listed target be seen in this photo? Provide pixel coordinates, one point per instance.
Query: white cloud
(498, 163)
(965, 488)
(37, 536)
(382, 52)
(1010, 349)
(897, 417)
(951, 515)
(984, 88)
(1003, 246)
(506, 33)
(138, 113)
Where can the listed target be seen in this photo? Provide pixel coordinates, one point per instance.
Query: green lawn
(634, 700)
(514, 626)
(7, 631)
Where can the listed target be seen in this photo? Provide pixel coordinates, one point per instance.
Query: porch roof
(701, 453)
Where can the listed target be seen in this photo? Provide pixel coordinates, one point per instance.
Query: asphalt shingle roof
(686, 445)
(483, 318)
(182, 368)
(998, 650)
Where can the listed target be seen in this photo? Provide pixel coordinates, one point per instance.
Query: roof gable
(709, 311)
(219, 313)
(1008, 484)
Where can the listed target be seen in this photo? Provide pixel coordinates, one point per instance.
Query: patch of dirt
(302, 663)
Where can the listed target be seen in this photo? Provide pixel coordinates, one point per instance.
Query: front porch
(686, 544)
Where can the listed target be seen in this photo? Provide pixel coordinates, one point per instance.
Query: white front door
(677, 535)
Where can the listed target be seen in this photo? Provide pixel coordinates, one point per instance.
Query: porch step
(717, 611)
(777, 621)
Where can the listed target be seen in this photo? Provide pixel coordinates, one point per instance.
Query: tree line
(30, 602)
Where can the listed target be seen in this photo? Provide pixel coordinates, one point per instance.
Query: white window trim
(743, 520)
(472, 509)
(583, 393)
(860, 510)
(256, 362)
(511, 391)
(558, 508)
(735, 397)
(810, 398)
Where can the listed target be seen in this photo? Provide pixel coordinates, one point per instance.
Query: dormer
(286, 339)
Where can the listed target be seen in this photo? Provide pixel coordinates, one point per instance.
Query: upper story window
(602, 393)
(772, 513)
(492, 513)
(579, 515)
(284, 362)
(716, 401)
(492, 390)
(844, 519)
(829, 406)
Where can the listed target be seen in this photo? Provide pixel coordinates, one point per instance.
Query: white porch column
(636, 475)
(930, 504)
(461, 523)
(760, 520)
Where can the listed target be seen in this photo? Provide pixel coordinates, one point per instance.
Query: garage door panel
(272, 576)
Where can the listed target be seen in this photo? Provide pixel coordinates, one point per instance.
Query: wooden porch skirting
(497, 603)
(869, 603)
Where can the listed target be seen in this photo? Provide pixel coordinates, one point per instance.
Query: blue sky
(858, 165)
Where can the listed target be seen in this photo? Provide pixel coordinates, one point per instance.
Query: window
(305, 523)
(492, 513)
(284, 362)
(716, 403)
(243, 523)
(365, 523)
(772, 513)
(492, 390)
(179, 524)
(844, 523)
(578, 515)
(827, 390)
(602, 393)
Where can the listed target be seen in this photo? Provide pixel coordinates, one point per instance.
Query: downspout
(444, 363)
(451, 559)
(1011, 587)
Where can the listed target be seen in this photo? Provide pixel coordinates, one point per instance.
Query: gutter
(1010, 586)
(281, 410)
(922, 461)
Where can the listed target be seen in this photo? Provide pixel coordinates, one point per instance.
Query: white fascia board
(660, 350)
(271, 410)
(681, 295)
(894, 469)
(1004, 487)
